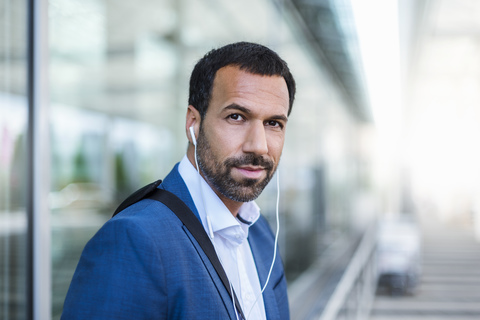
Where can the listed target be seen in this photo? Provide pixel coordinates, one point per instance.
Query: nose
(256, 140)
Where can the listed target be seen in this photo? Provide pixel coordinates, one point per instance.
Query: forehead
(234, 86)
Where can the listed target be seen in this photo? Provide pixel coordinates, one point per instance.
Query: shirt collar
(222, 221)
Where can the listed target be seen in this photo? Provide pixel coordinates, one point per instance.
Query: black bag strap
(192, 223)
(137, 196)
(195, 227)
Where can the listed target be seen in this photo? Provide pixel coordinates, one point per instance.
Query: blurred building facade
(441, 108)
(116, 73)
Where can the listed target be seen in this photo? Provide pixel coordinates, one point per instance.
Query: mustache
(250, 159)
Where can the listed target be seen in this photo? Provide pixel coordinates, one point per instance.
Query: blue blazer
(144, 264)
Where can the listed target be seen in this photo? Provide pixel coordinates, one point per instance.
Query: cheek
(224, 144)
(227, 139)
(275, 148)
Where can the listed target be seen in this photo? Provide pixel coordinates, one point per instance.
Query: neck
(232, 206)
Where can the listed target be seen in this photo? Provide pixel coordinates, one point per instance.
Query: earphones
(209, 224)
(275, 244)
(194, 140)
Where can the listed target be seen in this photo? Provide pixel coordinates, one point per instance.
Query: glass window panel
(113, 69)
(13, 159)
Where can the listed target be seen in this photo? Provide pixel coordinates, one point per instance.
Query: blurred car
(398, 254)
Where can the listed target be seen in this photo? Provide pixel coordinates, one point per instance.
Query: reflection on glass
(13, 161)
(97, 162)
(13, 221)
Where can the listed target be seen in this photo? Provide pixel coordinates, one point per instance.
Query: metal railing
(353, 296)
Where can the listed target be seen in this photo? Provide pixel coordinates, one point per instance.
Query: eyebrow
(235, 106)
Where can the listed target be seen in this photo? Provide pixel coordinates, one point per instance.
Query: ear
(192, 120)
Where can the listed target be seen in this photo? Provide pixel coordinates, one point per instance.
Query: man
(144, 264)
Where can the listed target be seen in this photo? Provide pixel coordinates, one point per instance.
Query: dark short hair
(251, 57)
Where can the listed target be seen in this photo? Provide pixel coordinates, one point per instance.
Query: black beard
(218, 175)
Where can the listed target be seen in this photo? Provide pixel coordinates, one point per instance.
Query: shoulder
(138, 210)
(146, 216)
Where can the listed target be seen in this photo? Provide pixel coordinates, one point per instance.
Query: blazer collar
(174, 183)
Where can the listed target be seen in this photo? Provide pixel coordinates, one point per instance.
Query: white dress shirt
(230, 239)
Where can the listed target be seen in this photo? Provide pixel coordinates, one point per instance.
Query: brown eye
(235, 116)
(275, 124)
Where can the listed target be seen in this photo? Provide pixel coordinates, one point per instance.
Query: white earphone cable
(210, 230)
(275, 244)
(209, 224)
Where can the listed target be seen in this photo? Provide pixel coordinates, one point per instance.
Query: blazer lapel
(263, 255)
(227, 301)
(174, 183)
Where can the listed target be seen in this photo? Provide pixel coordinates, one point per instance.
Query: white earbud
(192, 134)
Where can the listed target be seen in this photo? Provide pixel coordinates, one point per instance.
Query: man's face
(242, 135)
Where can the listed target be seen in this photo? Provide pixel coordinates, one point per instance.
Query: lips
(251, 172)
